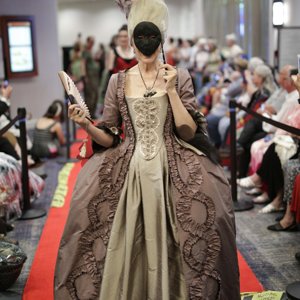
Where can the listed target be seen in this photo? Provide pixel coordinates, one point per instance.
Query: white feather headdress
(155, 11)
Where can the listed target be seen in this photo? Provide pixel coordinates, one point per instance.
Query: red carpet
(248, 281)
(40, 281)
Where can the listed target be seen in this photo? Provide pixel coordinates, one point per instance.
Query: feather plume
(125, 6)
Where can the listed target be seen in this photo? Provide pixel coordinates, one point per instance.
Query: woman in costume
(121, 57)
(151, 216)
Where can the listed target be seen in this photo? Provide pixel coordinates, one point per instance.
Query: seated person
(288, 222)
(287, 114)
(5, 93)
(12, 135)
(247, 89)
(283, 148)
(48, 134)
(11, 185)
(246, 132)
(224, 92)
(7, 147)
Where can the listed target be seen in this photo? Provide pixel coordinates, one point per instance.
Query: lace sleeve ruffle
(200, 121)
(115, 132)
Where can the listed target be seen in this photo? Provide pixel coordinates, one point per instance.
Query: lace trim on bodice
(146, 122)
(148, 117)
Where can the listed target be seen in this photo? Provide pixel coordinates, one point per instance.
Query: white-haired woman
(151, 217)
(250, 128)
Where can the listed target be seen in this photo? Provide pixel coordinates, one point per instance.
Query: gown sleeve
(111, 119)
(186, 90)
(111, 113)
(186, 93)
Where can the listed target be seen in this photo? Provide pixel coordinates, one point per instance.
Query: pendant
(149, 93)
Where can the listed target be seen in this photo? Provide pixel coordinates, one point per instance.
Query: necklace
(149, 90)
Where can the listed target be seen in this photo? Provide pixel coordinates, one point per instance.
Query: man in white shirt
(233, 50)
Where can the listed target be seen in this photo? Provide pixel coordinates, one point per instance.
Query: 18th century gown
(152, 218)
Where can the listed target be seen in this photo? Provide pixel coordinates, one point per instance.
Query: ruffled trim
(86, 270)
(190, 190)
(108, 198)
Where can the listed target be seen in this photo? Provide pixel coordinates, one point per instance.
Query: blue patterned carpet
(271, 255)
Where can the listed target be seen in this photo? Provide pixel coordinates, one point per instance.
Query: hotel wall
(36, 93)
(102, 19)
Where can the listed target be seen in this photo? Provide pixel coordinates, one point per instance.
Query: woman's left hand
(170, 76)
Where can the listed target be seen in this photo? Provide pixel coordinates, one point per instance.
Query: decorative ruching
(85, 270)
(109, 194)
(190, 189)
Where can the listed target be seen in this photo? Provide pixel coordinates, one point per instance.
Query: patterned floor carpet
(269, 254)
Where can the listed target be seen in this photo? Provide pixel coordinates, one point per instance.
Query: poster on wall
(18, 34)
(20, 46)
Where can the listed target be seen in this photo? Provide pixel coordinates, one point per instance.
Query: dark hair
(53, 108)
(123, 28)
(89, 39)
(112, 43)
(191, 42)
(77, 47)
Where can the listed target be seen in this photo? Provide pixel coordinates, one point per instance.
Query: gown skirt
(162, 242)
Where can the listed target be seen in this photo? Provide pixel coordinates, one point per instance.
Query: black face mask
(147, 37)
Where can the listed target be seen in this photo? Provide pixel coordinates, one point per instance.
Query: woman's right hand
(77, 114)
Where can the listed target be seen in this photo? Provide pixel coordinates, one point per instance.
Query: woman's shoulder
(44, 123)
(56, 125)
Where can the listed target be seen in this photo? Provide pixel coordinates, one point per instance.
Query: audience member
(171, 52)
(184, 54)
(270, 172)
(221, 99)
(78, 67)
(11, 185)
(92, 76)
(13, 134)
(264, 82)
(288, 93)
(291, 170)
(199, 61)
(48, 134)
(122, 56)
(233, 49)
(214, 57)
(101, 58)
(246, 89)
